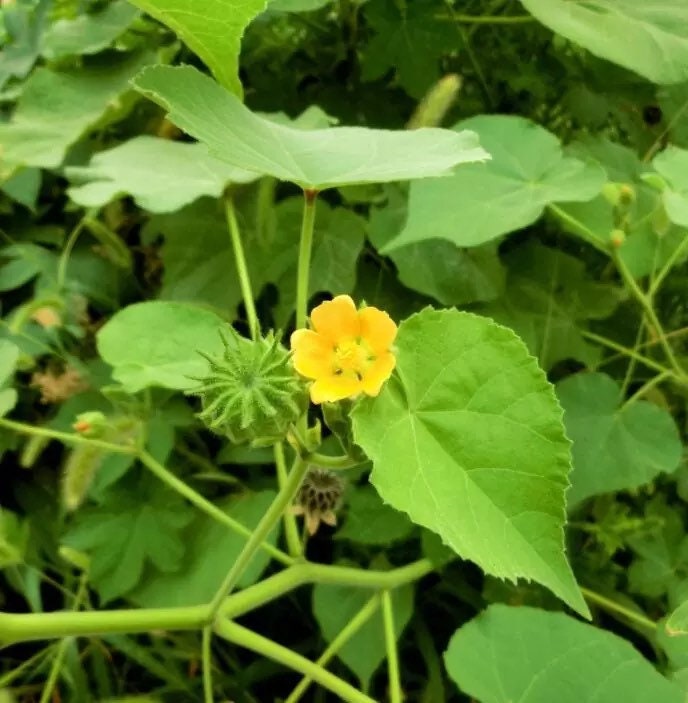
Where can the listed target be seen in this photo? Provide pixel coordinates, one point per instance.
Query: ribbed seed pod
(251, 393)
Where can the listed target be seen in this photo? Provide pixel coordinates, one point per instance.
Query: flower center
(352, 357)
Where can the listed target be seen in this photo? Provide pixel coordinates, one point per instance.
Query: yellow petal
(377, 373)
(336, 319)
(329, 389)
(378, 329)
(313, 354)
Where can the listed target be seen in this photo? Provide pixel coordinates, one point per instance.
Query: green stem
(659, 279)
(655, 381)
(242, 268)
(350, 629)
(627, 352)
(177, 485)
(65, 437)
(305, 249)
(54, 674)
(32, 626)
(333, 462)
(580, 228)
(391, 646)
(648, 308)
(207, 660)
(484, 19)
(69, 245)
(291, 529)
(630, 369)
(261, 531)
(254, 642)
(617, 608)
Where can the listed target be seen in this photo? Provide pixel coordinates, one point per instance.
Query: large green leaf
(615, 447)
(467, 438)
(213, 30)
(648, 36)
(335, 606)
(57, 107)
(157, 344)
(88, 33)
(483, 201)
(138, 523)
(318, 158)
(161, 175)
(525, 655)
(211, 550)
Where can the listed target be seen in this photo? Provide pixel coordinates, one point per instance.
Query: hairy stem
(291, 530)
(395, 695)
(305, 249)
(207, 659)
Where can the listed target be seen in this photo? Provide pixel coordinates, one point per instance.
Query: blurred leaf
(533, 656)
(14, 538)
(24, 186)
(56, 108)
(213, 30)
(672, 165)
(615, 446)
(318, 158)
(335, 606)
(24, 262)
(547, 300)
(139, 523)
(481, 202)
(435, 267)
(409, 39)
(369, 521)
(156, 344)
(88, 33)
(467, 439)
(24, 23)
(211, 549)
(161, 175)
(650, 38)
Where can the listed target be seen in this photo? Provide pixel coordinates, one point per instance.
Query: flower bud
(251, 393)
(90, 424)
(617, 238)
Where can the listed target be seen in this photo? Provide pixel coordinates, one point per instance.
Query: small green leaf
(650, 38)
(212, 30)
(672, 164)
(156, 344)
(161, 175)
(14, 538)
(9, 353)
(615, 447)
(211, 549)
(677, 624)
(335, 606)
(24, 186)
(369, 521)
(467, 439)
(88, 33)
(534, 656)
(480, 202)
(318, 158)
(57, 107)
(138, 524)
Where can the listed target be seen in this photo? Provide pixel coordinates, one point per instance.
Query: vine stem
(206, 656)
(69, 245)
(349, 630)
(648, 308)
(668, 265)
(487, 19)
(310, 196)
(254, 642)
(291, 530)
(614, 607)
(24, 627)
(261, 531)
(655, 381)
(395, 695)
(241, 267)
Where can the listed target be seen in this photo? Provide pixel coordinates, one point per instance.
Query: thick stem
(395, 695)
(618, 609)
(350, 629)
(271, 650)
(261, 531)
(242, 268)
(206, 657)
(210, 509)
(291, 530)
(305, 249)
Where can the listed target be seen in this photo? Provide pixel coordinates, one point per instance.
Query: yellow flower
(347, 352)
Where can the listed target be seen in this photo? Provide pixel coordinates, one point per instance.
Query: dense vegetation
(503, 516)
